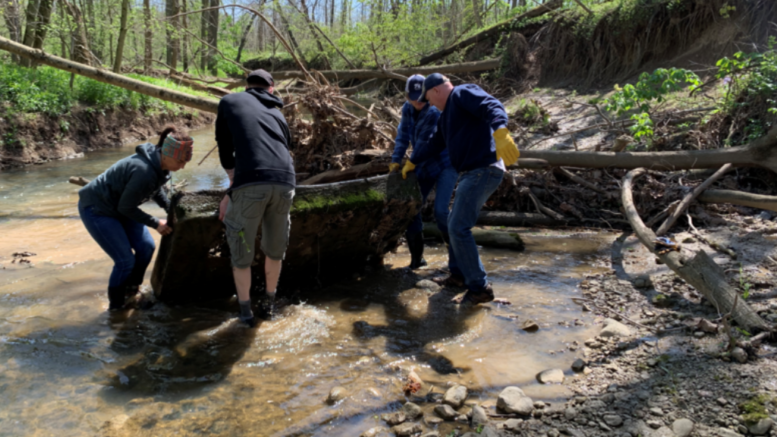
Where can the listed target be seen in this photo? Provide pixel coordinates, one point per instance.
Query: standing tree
(213, 36)
(80, 51)
(244, 38)
(14, 22)
(148, 35)
(125, 9)
(173, 41)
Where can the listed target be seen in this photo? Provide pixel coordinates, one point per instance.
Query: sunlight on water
(70, 368)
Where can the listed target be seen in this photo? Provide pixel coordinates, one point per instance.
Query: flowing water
(69, 368)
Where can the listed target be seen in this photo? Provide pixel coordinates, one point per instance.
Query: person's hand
(409, 166)
(394, 166)
(505, 147)
(163, 229)
(223, 207)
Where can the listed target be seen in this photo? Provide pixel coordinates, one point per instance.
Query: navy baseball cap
(414, 86)
(430, 82)
(260, 77)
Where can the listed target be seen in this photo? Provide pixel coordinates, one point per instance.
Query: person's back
(253, 140)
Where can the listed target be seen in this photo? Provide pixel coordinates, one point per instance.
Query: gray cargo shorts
(263, 204)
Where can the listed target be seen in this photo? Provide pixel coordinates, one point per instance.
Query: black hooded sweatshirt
(128, 184)
(253, 139)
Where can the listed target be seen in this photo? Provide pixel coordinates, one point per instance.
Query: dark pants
(475, 187)
(119, 238)
(446, 183)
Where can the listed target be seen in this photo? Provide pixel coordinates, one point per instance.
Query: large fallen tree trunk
(101, 75)
(700, 271)
(739, 198)
(357, 171)
(490, 32)
(516, 219)
(484, 237)
(465, 67)
(760, 153)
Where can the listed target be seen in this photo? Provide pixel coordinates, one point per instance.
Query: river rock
(551, 376)
(431, 434)
(445, 411)
(432, 420)
(613, 420)
(739, 354)
(761, 428)
(374, 432)
(412, 411)
(530, 326)
(578, 365)
(725, 432)
(513, 424)
(455, 396)
(407, 429)
(426, 284)
(514, 400)
(613, 328)
(479, 416)
(662, 431)
(336, 394)
(394, 419)
(682, 427)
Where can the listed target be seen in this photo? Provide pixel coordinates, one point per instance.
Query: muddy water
(68, 367)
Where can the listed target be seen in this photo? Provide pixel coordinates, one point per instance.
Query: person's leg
(415, 232)
(474, 189)
(276, 224)
(109, 233)
(142, 243)
(242, 220)
(446, 184)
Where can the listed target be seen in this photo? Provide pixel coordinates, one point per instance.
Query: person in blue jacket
(473, 128)
(109, 208)
(419, 121)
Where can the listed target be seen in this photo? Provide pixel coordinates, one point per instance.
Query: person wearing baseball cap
(419, 121)
(109, 209)
(473, 128)
(253, 140)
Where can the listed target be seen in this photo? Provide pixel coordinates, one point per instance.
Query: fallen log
(336, 230)
(686, 202)
(759, 153)
(516, 219)
(490, 32)
(78, 180)
(484, 237)
(465, 67)
(357, 171)
(700, 271)
(105, 76)
(739, 198)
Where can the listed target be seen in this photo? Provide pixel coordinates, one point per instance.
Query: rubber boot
(133, 282)
(415, 242)
(116, 298)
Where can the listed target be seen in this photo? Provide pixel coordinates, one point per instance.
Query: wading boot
(415, 242)
(450, 281)
(476, 297)
(116, 298)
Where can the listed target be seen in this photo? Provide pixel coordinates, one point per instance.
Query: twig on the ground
(720, 248)
(579, 180)
(686, 202)
(575, 299)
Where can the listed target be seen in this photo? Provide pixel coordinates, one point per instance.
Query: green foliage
(46, 90)
(651, 88)
(755, 409)
(744, 284)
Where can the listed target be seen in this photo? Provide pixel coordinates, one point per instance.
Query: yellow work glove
(394, 166)
(505, 147)
(409, 166)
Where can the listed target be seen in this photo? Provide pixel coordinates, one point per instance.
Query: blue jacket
(466, 128)
(418, 132)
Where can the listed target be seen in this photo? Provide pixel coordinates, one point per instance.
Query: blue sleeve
(434, 144)
(402, 142)
(479, 103)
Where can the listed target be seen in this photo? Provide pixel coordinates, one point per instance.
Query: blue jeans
(475, 187)
(446, 183)
(118, 238)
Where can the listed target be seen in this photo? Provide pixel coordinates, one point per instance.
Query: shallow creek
(69, 368)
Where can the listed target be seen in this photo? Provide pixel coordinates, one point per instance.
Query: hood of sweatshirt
(150, 154)
(266, 98)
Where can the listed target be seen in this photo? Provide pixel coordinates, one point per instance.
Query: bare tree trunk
(81, 52)
(173, 39)
(344, 16)
(125, 9)
(42, 27)
(292, 40)
(306, 14)
(184, 21)
(476, 13)
(332, 15)
(30, 20)
(148, 35)
(213, 36)
(14, 23)
(244, 38)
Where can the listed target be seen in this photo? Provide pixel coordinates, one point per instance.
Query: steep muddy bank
(38, 138)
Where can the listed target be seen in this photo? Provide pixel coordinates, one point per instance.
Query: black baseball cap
(260, 77)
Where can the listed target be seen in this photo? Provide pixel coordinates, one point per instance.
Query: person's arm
(137, 189)
(161, 199)
(224, 139)
(426, 132)
(435, 143)
(402, 142)
(484, 106)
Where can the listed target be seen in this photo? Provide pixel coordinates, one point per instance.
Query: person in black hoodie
(253, 140)
(108, 206)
